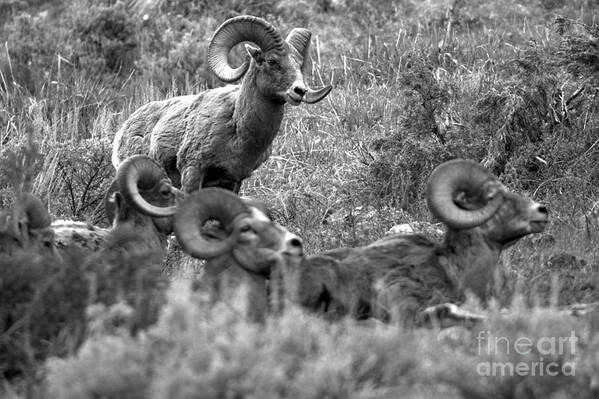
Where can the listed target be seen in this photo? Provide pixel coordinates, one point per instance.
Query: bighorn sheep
(142, 186)
(247, 239)
(401, 275)
(75, 264)
(220, 136)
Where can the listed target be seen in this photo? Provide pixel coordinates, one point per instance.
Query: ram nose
(296, 92)
(539, 212)
(542, 209)
(539, 218)
(295, 95)
(293, 245)
(299, 90)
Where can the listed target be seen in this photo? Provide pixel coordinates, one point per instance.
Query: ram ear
(109, 205)
(117, 202)
(255, 53)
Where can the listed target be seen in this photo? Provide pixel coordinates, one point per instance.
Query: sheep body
(199, 133)
(87, 237)
(355, 282)
(400, 275)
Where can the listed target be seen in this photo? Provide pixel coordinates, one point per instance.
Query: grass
(415, 83)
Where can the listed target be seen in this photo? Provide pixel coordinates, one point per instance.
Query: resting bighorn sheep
(401, 275)
(75, 264)
(123, 262)
(141, 186)
(220, 136)
(247, 239)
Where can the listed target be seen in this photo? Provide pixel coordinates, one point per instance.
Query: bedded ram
(50, 273)
(399, 276)
(220, 136)
(123, 262)
(245, 240)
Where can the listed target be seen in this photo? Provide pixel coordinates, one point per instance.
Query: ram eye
(272, 62)
(491, 194)
(164, 190)
(245, 228)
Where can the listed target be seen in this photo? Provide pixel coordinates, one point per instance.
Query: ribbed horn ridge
(450, 178)
(299, 40)
(142, 172)
(234, 31)
(201, 206)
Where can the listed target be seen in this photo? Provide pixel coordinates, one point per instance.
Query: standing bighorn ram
(401, 275)
(220, 136)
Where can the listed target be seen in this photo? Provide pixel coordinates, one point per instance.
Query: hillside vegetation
(512, 84)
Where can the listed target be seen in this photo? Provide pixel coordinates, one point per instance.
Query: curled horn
(233, 31)
(206, 204)
(142, 172)
(450, 178)
(299, 41)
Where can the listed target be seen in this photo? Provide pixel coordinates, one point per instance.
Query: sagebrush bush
(195, 350)
(42, 309)
(105, 354)
(108, 41)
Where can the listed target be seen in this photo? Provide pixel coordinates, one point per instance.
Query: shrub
(71, 379)
(405, 158)
(42, 309)
(107, 39)
(78, 174)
